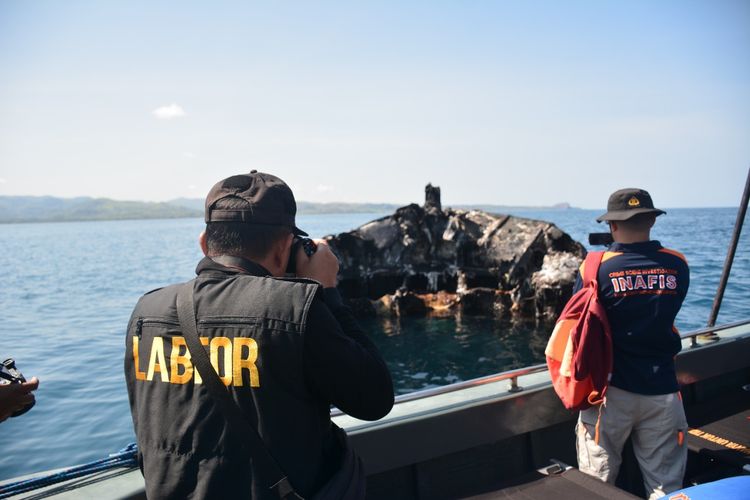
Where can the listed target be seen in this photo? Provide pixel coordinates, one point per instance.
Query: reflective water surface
(68, 290)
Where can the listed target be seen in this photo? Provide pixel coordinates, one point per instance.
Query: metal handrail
(513, 375)
(710, 330)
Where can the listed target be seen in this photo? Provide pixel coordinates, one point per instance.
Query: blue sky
(517, 103)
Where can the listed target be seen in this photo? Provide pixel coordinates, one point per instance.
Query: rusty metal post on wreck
(730, 254)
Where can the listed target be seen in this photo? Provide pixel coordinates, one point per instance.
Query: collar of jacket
(229, 264)
(640, 247)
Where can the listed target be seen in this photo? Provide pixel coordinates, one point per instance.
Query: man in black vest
(286, 349)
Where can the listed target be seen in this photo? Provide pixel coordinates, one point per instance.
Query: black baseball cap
(269, 201)
(625, 203)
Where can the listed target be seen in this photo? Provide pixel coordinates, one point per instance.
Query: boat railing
(510, 375)
(513, 375)
(711, 331)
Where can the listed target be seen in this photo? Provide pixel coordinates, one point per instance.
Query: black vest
(253, 328)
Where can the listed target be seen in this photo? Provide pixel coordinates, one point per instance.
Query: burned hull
(426, 259)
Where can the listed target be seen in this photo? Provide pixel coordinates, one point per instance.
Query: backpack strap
(591, 267)
(590, 273)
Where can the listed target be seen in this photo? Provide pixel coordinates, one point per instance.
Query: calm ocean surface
(69, 289)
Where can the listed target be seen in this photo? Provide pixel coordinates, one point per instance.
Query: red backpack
(579, 352)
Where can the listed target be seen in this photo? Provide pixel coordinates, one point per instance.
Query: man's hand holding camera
(322, 266)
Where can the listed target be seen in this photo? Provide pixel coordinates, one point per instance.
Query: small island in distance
(18, 209)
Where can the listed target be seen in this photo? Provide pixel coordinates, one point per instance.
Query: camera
(600, 239)
(308, 245)
(9, 374)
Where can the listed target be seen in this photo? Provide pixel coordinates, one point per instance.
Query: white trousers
(659, 429)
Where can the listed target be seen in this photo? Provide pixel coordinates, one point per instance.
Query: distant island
(305, 207)
(16, 209)
(51, 209)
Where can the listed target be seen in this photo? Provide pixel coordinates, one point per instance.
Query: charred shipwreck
(430, 260)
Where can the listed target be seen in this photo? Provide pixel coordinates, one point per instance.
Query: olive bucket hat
(269, 201)
(625, 203)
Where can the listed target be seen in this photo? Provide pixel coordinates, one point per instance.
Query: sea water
(68, 290)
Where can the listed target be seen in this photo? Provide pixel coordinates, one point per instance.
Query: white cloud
(169, 112)
(322, 188)
(192, 187)
(3, 181)
(188, 155)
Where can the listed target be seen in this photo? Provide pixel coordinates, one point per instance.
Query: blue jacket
(642, 286)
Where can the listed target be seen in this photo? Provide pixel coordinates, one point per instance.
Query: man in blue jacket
(642, 286)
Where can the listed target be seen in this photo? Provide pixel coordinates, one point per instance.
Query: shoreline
(487, 208)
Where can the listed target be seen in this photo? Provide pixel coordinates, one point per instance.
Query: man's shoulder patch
(675, 253)
(610, 255)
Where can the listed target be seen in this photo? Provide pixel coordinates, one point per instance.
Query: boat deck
(717, 449)
(721, 447)
(569, 485)
(726, 440)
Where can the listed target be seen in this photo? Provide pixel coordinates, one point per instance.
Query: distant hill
(311, 208)
(191, 203)
(51, 209)
(510, 208)
(307, 207)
